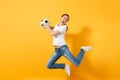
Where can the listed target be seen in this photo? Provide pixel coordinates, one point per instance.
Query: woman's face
(64, 19)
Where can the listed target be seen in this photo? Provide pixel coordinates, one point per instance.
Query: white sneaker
(67, 69)
(86, 48)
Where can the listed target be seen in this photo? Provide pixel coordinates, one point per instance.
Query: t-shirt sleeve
(62, 29)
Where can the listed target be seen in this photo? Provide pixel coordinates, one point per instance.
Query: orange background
(25, 47)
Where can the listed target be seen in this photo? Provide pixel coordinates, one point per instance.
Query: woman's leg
(75, 60)
(51, 63)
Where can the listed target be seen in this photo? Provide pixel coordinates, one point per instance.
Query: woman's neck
(61, 24)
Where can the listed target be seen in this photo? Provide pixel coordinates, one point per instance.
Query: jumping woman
(61, 48)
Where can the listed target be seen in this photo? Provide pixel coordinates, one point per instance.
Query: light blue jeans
(64, 51)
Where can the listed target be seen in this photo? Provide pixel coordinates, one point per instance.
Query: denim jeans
(64, 51)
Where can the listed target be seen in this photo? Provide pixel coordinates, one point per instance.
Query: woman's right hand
(45, 26)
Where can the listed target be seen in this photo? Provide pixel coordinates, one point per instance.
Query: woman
(61, 49)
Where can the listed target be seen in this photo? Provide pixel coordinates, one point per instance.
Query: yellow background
(25, 47)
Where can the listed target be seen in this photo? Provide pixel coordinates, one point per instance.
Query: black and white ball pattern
(44, 22)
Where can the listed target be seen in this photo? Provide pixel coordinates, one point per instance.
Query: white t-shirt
(59, 39)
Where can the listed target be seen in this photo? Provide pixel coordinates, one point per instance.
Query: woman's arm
(53, 33)
(51, 27)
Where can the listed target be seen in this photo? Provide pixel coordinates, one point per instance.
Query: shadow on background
(85, 69)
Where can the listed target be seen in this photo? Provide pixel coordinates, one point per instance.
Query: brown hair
(68, 18)
(66, 15)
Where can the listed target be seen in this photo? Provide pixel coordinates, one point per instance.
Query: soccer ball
(44, 22)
